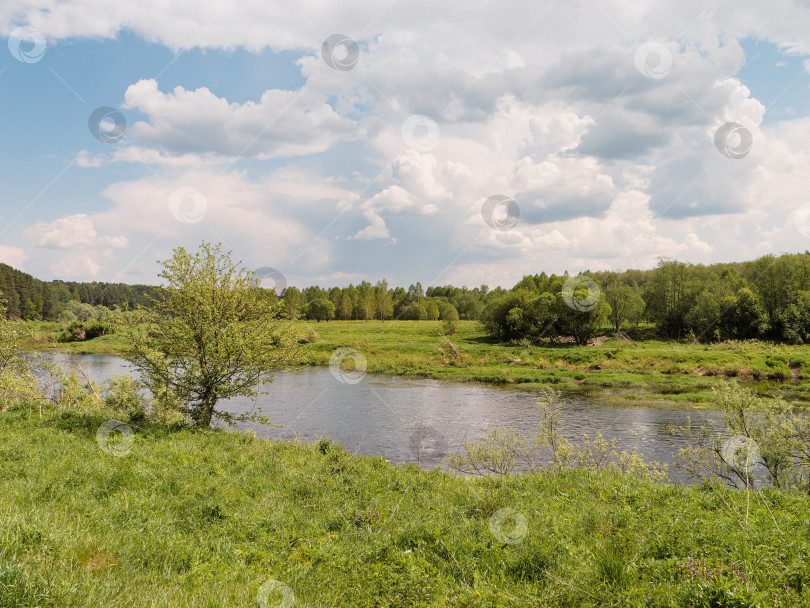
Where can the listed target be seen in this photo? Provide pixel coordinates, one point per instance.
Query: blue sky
(600, 124)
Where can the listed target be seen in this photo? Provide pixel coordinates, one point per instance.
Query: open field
(204, 518)
(645, 372)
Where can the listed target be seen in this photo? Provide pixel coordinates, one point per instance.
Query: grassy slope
(644, 372)
(204, 518)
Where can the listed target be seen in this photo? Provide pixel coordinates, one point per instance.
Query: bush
(79, 331)
(415, 312)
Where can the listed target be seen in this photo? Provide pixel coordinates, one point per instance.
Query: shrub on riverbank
(195, 517)
(79, 331)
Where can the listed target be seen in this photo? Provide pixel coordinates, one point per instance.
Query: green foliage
(319, 310)
(195, 517)
(212, 336)
(121, 396)
(503, 451)
(79, 331)
(755, 432)
(16, 380)
(414, 312)
(523, 314)
(450, 319)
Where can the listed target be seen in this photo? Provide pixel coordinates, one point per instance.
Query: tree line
(767, 298)
(29, 298)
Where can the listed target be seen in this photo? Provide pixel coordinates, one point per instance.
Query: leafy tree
(796, 320)
(212, 335)
(619, 296)
(366, 302)
(293, 300)
(432, 310)
(582, 325)
(750, 319)
(706, 319)
(16, 379)
(415, 312)
(450, 318)
(320, 310)
(670, 294)
(385, 304)
(344, 308)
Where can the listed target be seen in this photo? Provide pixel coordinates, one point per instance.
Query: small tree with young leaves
(16, 380)
(212, 336)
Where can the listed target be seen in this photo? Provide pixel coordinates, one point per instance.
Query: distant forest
(764, 298)
(31, 299)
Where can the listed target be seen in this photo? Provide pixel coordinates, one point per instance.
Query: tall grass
(206, 518)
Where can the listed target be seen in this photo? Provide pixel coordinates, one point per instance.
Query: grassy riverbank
(645, 371)
(205, 518)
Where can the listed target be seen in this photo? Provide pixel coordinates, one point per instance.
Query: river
(407, 420)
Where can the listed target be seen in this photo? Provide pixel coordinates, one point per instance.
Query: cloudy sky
(457, 142)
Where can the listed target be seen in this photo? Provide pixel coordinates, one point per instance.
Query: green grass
(649, 372)
(204, 518)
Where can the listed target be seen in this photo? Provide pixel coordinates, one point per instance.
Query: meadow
(640, 370)
(202, 518)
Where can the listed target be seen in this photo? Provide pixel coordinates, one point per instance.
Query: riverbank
(643, 371)
(206, 518)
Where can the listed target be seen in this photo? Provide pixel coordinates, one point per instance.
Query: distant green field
(206, 519)
(647, 372)
(641, 372)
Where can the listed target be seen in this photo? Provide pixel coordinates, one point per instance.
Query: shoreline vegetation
(629, 368)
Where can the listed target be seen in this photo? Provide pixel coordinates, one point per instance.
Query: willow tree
(212, 335)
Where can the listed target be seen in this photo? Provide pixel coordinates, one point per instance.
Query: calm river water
(409, 419)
